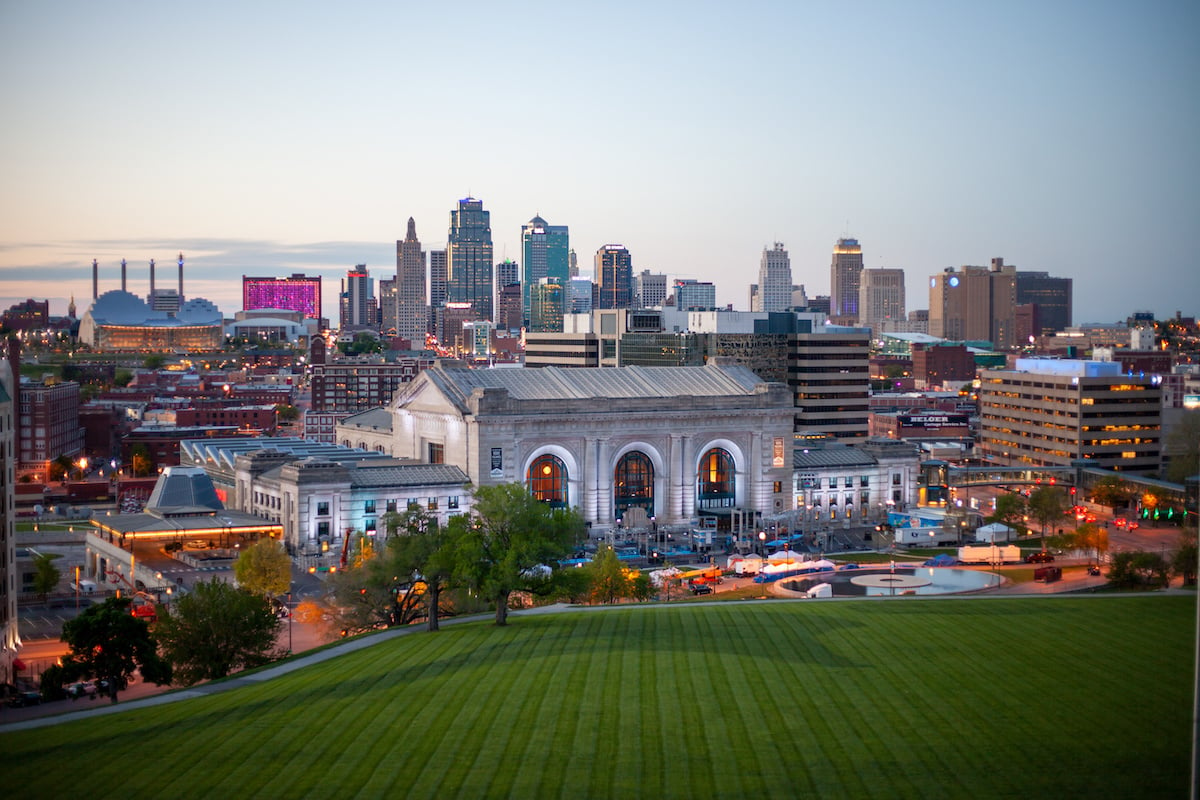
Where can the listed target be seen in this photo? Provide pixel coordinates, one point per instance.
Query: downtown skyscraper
(844, 281)
(469, 258)
(614, 277)
(545, 253)
(412, 308)
(774, 280)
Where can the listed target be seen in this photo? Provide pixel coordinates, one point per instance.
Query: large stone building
(49, 425)
(1054, 413)
(676, 444)
(320, 494)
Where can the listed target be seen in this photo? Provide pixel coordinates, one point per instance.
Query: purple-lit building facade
(299, 293)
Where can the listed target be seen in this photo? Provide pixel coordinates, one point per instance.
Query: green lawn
(923, 698)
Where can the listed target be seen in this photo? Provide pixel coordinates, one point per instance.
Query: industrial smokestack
(95, 279)
(123, 289)
(152, 282)
(181, 279)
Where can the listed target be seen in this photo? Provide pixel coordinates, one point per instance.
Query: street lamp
(762, 540)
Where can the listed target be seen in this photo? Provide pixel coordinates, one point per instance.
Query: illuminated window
(633, 483)
(717, 479)
(547, 480)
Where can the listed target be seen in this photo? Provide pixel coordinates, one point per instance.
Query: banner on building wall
(497, 462)
(779, 460)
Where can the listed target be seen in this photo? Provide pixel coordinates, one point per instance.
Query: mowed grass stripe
(1108, 710)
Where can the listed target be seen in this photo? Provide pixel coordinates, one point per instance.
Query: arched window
(717, 480)
(633, 484)
(547, 480)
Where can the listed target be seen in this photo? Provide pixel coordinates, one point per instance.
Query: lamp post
(289, 609)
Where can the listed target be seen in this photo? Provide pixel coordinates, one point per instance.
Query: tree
(107, 642)
(217, 628)
(609, 578)
(264, 568)
(1047, 505)
(429, 554)
(1010, 511)
(155, 361)
(122, 378)
(1111, 491)
(60, 468)
(363, 343)
(287, 413)
(1183, 563)
(1090, 536)
(1183, 447)
(140, 460)
(45, 575)
(1138, 568)
(510, 539)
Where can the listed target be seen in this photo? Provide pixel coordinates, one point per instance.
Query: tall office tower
(582, 290)
(546, 307)
(299, 293)
(974, 304)
(358, 309)
(546, 252)
(775, 279)
(572, 264)
(651, 289)
(510, 314)
(844, 281)
(831, 375)
(508, 272)
(437, 290)
(469, 257)
(880, 297)
(387, 306)
(693, 295)
(10, 639)
(614, 276)
(1052, 296)
(412, 309)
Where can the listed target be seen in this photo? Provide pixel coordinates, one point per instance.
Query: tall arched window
(633, 483)
(547, 480)
(717, 480)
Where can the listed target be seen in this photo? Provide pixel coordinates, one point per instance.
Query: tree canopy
(45, 575)
(107, 642)
(215, 629)
(264, 568)
(1183, 447)
(1047, 504)
(1010, 510)
(509, 541)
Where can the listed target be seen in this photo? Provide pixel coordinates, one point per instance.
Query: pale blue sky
(267, 138)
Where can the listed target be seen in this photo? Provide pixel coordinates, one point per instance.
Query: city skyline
(1057, 138)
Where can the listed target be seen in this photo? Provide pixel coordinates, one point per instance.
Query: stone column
(603, 477)
(687, 477)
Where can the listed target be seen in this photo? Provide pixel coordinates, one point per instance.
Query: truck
(991, 554)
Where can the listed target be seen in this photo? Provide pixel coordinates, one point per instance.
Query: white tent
(785, 555)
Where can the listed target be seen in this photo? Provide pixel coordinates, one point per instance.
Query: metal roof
(225, 451)
(368, 475)
(595, 383)
(823, 457)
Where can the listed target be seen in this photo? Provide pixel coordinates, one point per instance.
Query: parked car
(1093, 569)
(23, 699)
(701, 588)
(78, 690)
(1039, 558)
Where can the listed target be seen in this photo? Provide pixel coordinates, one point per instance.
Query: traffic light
(1072, 491)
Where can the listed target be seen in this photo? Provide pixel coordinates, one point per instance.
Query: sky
(267, 138)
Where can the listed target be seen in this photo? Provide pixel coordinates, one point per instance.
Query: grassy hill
(937, 698)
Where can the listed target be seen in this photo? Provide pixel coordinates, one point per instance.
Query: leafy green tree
(1047, 504)
(264, 568)
(215, 629)
(1183, 447)
(60, 468)
(1010, 511)
(45, 575)
(155, 361)
(122, 378)
(1091, 537)
(1183, 562)
(405, 578)
(140, 460)
(108, 643)
(363, 343)
(1138, 569)
(287, 413)
(1111, 491)
(609, 579)
(510, 539)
